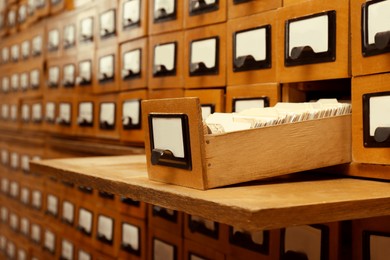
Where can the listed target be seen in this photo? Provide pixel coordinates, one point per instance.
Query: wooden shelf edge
(307, 199)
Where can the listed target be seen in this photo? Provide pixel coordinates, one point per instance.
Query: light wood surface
(274, 203)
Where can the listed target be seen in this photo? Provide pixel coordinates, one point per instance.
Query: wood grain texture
(251, 7)
(266, 152)
(209, 96)
(304, 198)
(206, 18)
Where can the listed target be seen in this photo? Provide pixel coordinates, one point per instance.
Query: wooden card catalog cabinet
(86, 22)
(166, 61)
(36, 77)
(132, 19)
(164, 245)
(53, 39)
(167, 219)
(68, 212)
(133, 236)
(85, 116)
(36, 233)
(12, 19)
(15, 52)
(133, 64)
(69, 75)
(14, 187)
(251, 56)
(37, 44)
(5, 56)
(370, 97)
(107, 233)
(243, 97)
(5, 83)
(315, 45)
(42, 8)
(22, 15)
(239, 8)
(52, 204)
(205, 57)
(54, 75)
(191, 158)
(211, 100)
(85, 221)
(50, 116)
(370, 37)
(36, 199)
(25, 196)
(106, 77)
(106, 109)
(25, 226)
(165, 16)
(199, 13)
(69, 35)
(130, 113)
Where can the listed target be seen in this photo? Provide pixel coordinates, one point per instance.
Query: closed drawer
(107, 226)
(194, 250)
(200, 13)
(85, 72)
(133, 238)
(107, 21)
(132, 19)
(53, 37)
(165, 93)
(87, 24)
(165, 16)
(106, 70)
(108, 121)
(163, 244)
(166, 219)
(86, 116)
(239, 8)
(211, 100)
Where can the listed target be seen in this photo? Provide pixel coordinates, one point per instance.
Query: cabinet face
(107, 23)
(85, 73)
(131, 64)
(69, 36)
(131, 14)
(86, 29)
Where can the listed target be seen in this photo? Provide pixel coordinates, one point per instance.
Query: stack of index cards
(281, 113)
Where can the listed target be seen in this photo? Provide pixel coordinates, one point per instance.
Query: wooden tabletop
(304, 198)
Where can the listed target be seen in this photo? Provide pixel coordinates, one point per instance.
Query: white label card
(36, 232)
(14, 189)
(25, 49)
(25, 162)
(22, 255)
(52, 204)
(69, 73)
(85, 69)
(3, 242)
(65, 112)
(11, 250)
(304, 239)
(67, 250)
(86, 112)
(14, 112)
(24, 80)
(15, 81)
(131, 109)
(85, 220)
(241, 105)
(5, 84)
(4, 185)
(131, 12)
(167, 5)
(105, 227)
(15, 52)
(379, 247)
(14, 160)
(84, 255)
(37, 199)
(34, 78)
(37, 45)
(132, 62)
(54, 75)
(206, 111)
(130, 235)
(50, 111)
(25, 195)
(14, 221)
(4, 157)
(69, 34)
(107, 22)
(204, 51)
(25, 112)
(22, 12)
(163, 251)
(86, 30)
(37, 112)
(252, 42)
(5, 111)
(208, 223)
(168, 135)
(68, 211)
(106, 67)
(54, 38)
(5, 54)
(25, 226)
(50, 241)
(379, 109)
(311, 32)
(107, 113)
(4, 214)
(165, 55)
(11, 17)
(378, 19)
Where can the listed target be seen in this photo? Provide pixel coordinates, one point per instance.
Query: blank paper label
(304, 239)
(165, 55)
(168, 135)
(204, 51)
(378, 19)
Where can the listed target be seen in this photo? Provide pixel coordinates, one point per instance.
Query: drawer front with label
(86, 27)
(205, 57)
(133, 238)
(166, 61)
(106, 70)
(132, 19)
(370, 139)
(199, 13)
(107, 21)
(163, 244)
(133, 64)
(86, 116)
(251, 55)
(315, 42)
(165, 16)
(370, 37)
(107, 112)
(211, 100)
(131, 129)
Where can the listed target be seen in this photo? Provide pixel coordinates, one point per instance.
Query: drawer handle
(106, 126)
(82, 81)
(245, 62)
(52, 84)
(67, 44)
(302, 52)
(129, 73)
(200, 68)
(161, 155)
(62, 121)
(67, 84)
(164, 214)
(202, 6)
(127, 247)
(160, 14)
(382, 40)
(84, 122)
(86, 37)
(382, 134)
(161, 70)
(104, 77)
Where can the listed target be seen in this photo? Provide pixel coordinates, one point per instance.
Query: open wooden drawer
(179, 151)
